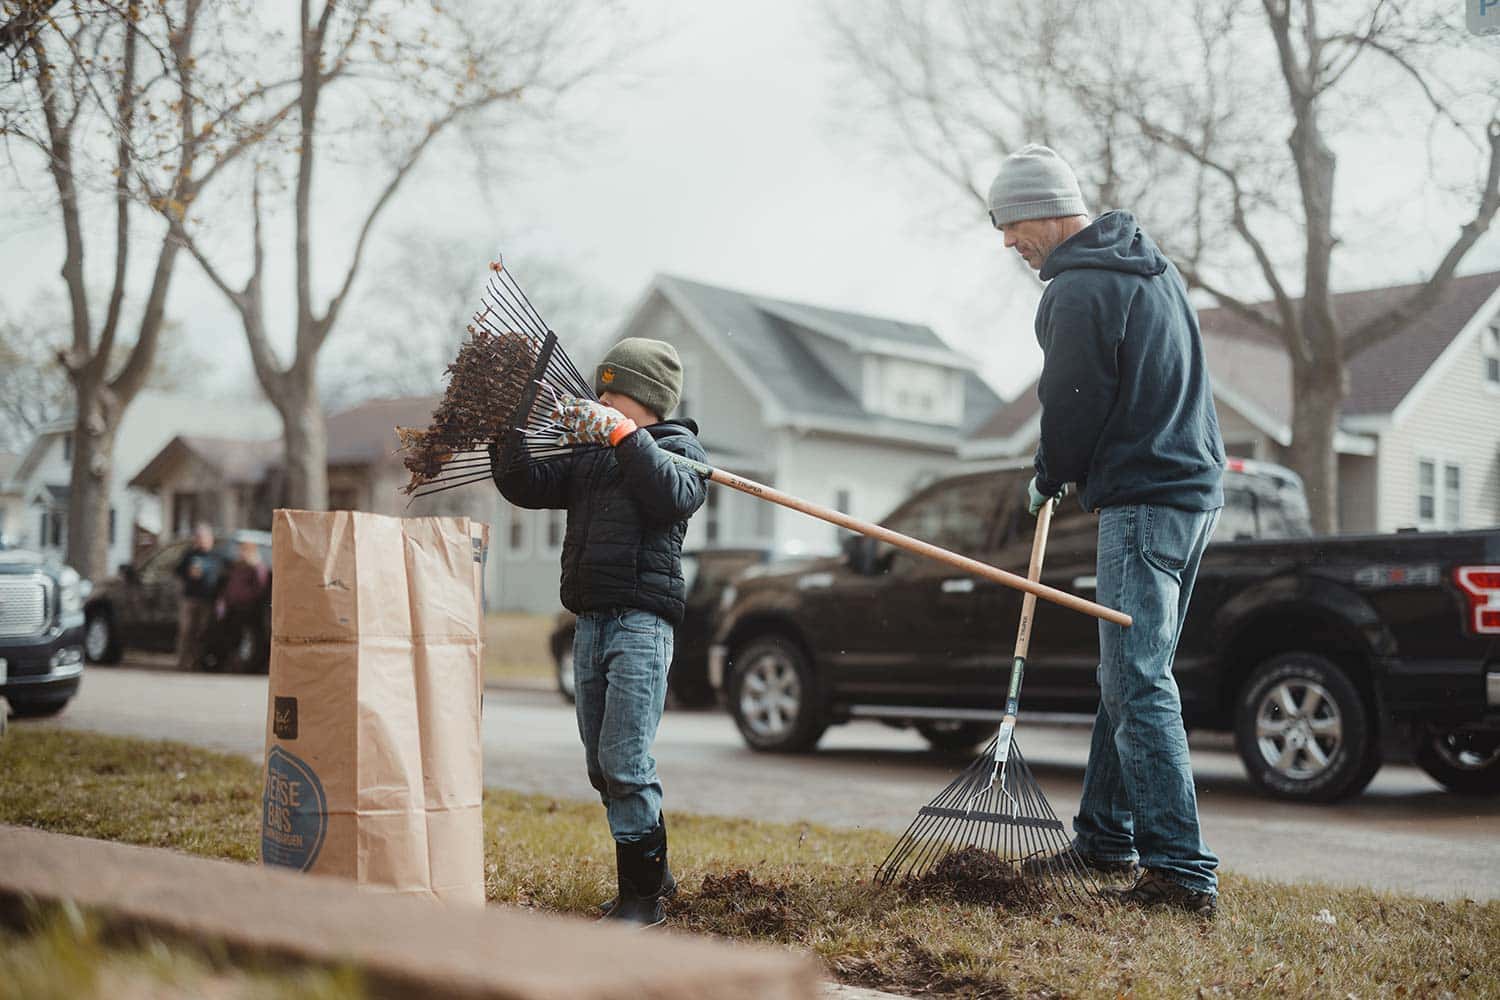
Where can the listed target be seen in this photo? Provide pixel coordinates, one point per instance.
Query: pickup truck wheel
(1464, 762)
(956, 737)
(773, 697)
(100, 643)
(1303, 731)
(565, 682)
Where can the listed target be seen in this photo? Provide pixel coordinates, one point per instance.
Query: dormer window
(1490, 348)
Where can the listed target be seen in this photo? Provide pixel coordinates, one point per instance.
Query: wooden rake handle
(1031, 588)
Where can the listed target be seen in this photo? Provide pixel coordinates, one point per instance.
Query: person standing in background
(199, 570)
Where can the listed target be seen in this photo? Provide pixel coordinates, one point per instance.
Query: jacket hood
(673, 428)
(1112, 242)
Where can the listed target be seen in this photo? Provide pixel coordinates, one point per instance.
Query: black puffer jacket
(628, 508)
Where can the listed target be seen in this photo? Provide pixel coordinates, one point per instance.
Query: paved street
(1403, 834)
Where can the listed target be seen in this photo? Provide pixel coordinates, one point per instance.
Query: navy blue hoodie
(1127, 408)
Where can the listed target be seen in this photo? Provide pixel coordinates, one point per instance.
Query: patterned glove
(587, 422)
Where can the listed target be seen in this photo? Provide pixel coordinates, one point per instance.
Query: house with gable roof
(1418, 440)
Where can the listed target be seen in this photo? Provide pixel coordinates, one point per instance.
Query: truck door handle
(960, 586)
(1085, 583)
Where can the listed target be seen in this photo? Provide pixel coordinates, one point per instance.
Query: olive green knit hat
(648, 371)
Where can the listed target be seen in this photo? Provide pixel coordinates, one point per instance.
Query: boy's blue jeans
(1138, 795)
(620, 661)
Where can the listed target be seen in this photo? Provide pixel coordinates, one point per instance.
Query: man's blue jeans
(1138, 796)
(620, 661)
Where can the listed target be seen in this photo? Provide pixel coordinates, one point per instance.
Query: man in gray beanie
(1128, 419)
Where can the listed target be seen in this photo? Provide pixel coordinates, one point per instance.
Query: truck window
(956, 515)
(1237, 519)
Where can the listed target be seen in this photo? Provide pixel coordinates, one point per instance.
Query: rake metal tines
(502, 387)
(990, 837)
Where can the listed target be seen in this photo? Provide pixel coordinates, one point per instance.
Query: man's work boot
(1064, 860)
(641, 874)
(668, 883)
(1154, 889)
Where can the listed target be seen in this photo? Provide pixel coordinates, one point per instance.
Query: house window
(184, 513)
(67, 447)
(711, 512)
(517, 539)
(687, 404)
(557, 521)
(111, 526)
(1491, 351)
(1439, 494)
(1452, 496)
(1426, 492)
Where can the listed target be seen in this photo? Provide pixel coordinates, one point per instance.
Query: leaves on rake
(486, 383)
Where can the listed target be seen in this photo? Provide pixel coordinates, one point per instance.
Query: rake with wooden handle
(502, 389)
(993, 818)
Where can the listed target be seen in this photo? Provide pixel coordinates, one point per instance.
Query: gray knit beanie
(648, 371)
(1034, 183)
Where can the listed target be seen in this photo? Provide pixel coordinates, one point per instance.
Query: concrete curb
(405, 946)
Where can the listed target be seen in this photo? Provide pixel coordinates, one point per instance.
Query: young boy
(628, 507)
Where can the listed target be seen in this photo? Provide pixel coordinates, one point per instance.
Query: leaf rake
(991, 835)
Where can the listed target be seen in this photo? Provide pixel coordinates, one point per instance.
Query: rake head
(501, 388)
(990, 837)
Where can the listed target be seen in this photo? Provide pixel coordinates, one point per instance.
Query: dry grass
(63, 956)
(809, 887)
(518, 650)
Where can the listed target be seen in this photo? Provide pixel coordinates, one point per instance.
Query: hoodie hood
(673, 428)
(1112, 242)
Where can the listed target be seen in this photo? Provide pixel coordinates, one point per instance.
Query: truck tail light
(1481, 585)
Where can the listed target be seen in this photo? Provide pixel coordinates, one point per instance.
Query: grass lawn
(518, 649)
(808, 887)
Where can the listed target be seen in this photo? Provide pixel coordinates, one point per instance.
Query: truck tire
(562, 658)
(1303, 731)
(1465, 763)
(689, 685)
(101, 643)
(773, 696)
(956, 737)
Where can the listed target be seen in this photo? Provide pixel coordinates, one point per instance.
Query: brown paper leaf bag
(373, 754)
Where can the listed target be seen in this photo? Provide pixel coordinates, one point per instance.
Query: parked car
(1322, 655)
(138, 607)
(41, 633)
(707, 572)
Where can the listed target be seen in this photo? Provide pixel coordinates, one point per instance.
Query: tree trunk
(305, 440)
(90, 484)
(1315, 417)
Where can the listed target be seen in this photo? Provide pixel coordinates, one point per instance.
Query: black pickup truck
(1323, 655)
(41, 633)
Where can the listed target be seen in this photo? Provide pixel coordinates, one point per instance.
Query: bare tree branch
(1426, 296)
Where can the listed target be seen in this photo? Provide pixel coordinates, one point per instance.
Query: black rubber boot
(668, 883)
(642, 869)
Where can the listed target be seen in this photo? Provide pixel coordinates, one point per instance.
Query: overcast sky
(729, 161)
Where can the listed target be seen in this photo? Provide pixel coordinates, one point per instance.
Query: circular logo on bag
(295, 815)
(607, 376)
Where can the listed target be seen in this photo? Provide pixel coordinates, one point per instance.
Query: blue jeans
(620, 661)
(1138, 795)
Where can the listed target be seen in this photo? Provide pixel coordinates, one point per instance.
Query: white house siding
(729, 415)
(876, 475)
(1242, 438)
(1456, 420)
(1358, 500)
